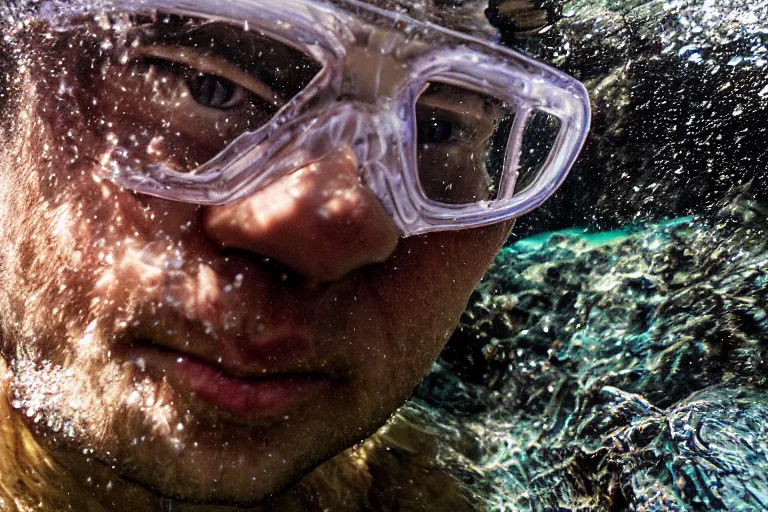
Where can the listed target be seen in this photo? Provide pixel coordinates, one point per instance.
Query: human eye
(460, 143)
(446, 115)
(433, 129)
(216, 92)
(196, 93)
(172, 103)
(211, 79)
(205, 89)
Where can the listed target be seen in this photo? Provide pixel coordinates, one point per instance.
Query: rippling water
(621, 370)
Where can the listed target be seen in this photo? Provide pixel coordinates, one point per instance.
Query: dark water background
(679, 94)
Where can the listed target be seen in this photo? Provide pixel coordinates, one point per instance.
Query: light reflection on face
(210, 354)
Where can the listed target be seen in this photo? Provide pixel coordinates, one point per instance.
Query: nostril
(320, 221)
(245, 261)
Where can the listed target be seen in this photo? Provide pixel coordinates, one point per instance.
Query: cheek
(424, 289)
(45, 260)
(61, 234)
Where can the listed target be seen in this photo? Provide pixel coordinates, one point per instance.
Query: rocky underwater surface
(613, 371)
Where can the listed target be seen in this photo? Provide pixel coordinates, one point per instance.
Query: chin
(150, 434)
(240, 472)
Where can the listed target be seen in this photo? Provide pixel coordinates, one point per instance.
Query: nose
(321, 221)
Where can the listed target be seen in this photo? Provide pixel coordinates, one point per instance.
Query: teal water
(593, 238)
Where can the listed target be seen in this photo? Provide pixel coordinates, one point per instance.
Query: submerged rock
(615, 371)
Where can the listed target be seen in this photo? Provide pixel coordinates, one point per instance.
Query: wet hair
(9, 65)
(6, 66)
(8, 70)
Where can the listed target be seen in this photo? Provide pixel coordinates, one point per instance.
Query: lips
(247, 351)
(250, 399)
(250, 394)
(252, 378)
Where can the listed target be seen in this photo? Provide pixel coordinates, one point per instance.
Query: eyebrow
(249, 58)
(205, 63)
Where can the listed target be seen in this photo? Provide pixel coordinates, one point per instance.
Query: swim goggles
(208, 102)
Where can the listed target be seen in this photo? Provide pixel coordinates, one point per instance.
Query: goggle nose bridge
(374, 134)
(376, 66)
(370, 131)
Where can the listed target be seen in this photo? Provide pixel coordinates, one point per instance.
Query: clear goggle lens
(179, 89)
(464, 140)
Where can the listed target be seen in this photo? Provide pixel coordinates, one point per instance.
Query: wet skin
(209, 354)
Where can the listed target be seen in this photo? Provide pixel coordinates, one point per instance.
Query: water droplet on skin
(176, 445)
(175, 260)
(171, 301)
(230, 321)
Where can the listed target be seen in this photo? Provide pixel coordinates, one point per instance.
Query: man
(235, 237)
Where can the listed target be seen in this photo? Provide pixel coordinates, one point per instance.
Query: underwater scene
(269, 255)
(615, 356)
(621, 370)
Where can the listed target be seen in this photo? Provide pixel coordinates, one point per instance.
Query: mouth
(257, 368)
(251, 393)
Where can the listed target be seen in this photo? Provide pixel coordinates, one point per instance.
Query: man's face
(207, 353)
